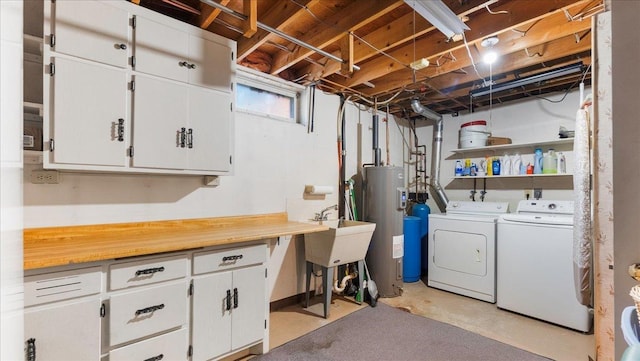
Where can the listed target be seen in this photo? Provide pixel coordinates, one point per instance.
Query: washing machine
(535, 264)
(462, 248)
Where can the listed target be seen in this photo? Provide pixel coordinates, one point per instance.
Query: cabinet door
(161, 50)
(91, 30)
(209, 114)
(65, 332)
(211, 64)
(211, 320)
(89, 102)
(248, 324)
(159, 114)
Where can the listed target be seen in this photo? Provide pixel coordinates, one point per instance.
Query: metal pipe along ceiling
(438, 194)
(277, 32)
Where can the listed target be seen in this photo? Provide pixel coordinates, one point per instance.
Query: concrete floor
(484, 318)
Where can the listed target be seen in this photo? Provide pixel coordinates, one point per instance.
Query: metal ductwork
(436, 153)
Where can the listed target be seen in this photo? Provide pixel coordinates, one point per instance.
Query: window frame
(265, 82)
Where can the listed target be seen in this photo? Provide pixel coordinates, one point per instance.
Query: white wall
(11, 288)
(626, 162)
(274, 160)
(526, 121)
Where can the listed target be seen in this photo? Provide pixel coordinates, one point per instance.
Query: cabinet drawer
(170, 346)
(225, 259)
(137, 314)
(147, 271)
(63, 285)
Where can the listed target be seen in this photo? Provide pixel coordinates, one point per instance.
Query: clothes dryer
(462, 248)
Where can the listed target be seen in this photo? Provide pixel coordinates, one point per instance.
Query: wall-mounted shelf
(516, 176)
(560, 145)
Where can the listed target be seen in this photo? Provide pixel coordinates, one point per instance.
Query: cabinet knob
(192, 66)
(122, 46)
(184, 63)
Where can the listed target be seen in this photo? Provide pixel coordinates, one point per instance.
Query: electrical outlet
(45, 177)
(528, 193)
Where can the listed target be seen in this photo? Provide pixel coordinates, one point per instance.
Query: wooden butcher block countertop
(57, 246)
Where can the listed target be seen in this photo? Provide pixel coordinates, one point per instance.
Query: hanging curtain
(582, 249)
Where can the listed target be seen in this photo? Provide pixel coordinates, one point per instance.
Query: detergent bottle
(550, 162)
(458, 170)
(505, 165)
(516, 165)
(537, 161)
(562, 163)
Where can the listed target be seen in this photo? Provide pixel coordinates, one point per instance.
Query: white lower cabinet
(145, 312)
(228, 305)
(142, 311)
(171, 346)
(62, 316)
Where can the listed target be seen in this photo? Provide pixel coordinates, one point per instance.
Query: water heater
(385, 201)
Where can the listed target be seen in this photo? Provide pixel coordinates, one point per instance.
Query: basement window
(267, 96)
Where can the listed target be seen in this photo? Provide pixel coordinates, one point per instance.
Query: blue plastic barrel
(412, 254)
(422, 210)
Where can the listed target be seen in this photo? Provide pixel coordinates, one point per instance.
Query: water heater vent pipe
(436, 153)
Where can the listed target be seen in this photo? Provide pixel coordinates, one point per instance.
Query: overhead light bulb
(490, 57)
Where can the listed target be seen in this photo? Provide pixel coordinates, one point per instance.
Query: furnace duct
(436, 154)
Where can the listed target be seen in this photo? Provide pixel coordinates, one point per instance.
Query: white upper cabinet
(174, 54)
(207, 59)
(161, 50)
(129, 90)
(189, 128)
(89, 105)
(91, 30)
(158, 129)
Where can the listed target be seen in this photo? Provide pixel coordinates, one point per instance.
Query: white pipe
(343, 284)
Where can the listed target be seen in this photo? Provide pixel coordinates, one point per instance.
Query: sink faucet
(324, 214)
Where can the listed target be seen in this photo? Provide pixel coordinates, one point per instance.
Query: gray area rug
(387, 333)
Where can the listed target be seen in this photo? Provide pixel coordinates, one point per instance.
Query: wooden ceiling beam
(346, 51)
(209, 14)
(400, 31)
(549, 29)
(482, 25)
(280, 15)
(355, 15)
(250, 26)
(559, 49)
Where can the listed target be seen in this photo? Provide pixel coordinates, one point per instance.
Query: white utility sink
(344, 242)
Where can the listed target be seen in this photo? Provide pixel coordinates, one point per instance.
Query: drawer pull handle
(120, 130)
(155, 358)
(150, 309)
(183, 137)
(149, 271)
(31, 349)
(228, 300)
(231, 258)
(235, 298)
